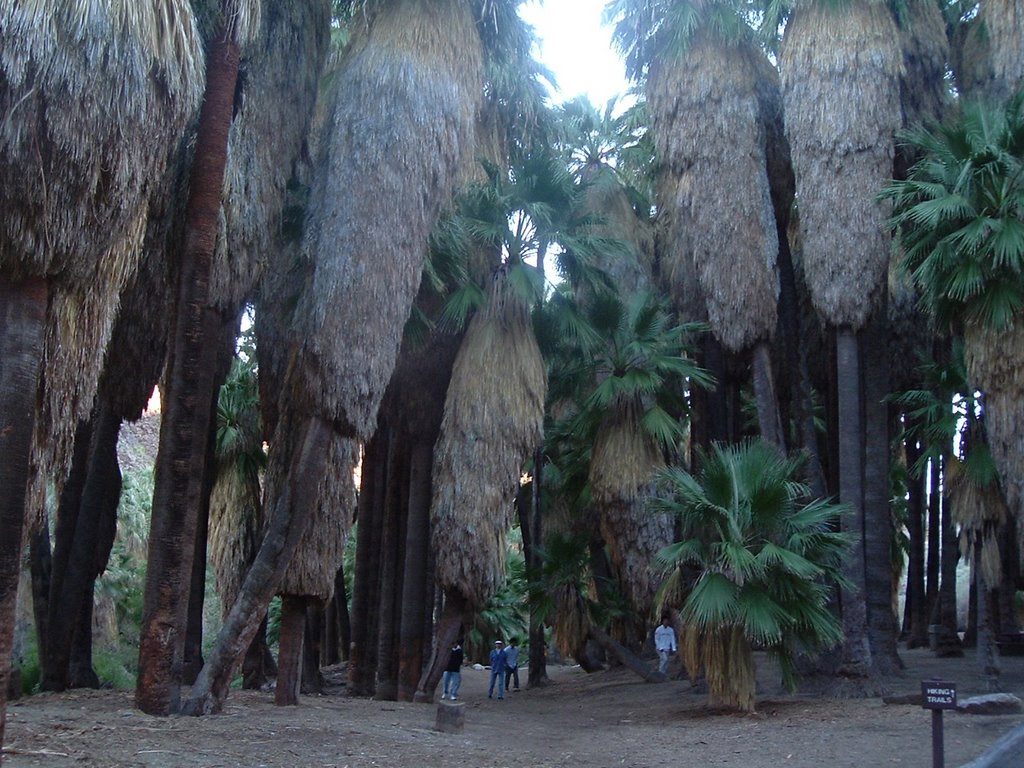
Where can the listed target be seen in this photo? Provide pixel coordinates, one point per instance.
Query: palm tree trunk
(879, 531)
(22, 317)
(291, 513)
(768, 418)
(392, 547)
(72, 546)
(856, 651)
(448, 630)
(412, 640)
(182, 452)
(529, 509)
(289, 657)
(362, 663)
(916, 622)
(945, 614)
(932, 569)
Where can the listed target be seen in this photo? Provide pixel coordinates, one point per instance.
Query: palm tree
(404, 103)
(191, 382)
(709, 94)
(633, 418)
(767, 557)
(842, 111)
(87, 133)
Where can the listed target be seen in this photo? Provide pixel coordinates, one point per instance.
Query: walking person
(453, 673)
(664, 643)
(497, 670)
(512, 663)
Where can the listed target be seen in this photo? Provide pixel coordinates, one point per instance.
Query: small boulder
(991, 704)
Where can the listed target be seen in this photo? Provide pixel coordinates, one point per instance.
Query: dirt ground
(605, 720)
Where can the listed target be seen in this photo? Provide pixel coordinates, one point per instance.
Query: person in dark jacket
(453, 673)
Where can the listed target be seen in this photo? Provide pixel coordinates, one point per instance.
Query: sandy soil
(606, 720)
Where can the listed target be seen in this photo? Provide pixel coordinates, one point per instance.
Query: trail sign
(936, 694)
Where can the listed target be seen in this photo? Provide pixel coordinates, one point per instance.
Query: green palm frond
(960, 214)
(769, 556)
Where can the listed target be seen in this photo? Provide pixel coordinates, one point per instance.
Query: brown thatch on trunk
(1004, 24)
(706, 118)
(923, 89)
(622, 469)
(493, 420)
(606, 199)
(982, 515)
(672, 243)
(406, 102)
(995, 365)
(94, 93)
(312, 568)
(840, 72)
(280, 71)
(236, 527)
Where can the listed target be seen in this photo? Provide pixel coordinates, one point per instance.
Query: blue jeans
(452, 681)
(499, 675)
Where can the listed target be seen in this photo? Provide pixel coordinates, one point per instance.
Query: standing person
(665, 643)
(512, 663)
(497, 670)
(453, 673)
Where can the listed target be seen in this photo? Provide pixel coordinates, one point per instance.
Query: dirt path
(607, 720)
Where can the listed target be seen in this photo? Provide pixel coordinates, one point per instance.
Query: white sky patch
(577, 48)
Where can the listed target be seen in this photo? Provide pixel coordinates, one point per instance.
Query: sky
(575, 46)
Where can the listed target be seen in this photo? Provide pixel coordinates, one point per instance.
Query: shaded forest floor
(605, 720)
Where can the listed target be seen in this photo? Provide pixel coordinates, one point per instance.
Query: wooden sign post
(938, 696)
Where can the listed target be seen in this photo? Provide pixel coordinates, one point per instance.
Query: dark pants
(510, 673)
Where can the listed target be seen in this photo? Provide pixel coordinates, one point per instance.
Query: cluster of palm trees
(384, 185)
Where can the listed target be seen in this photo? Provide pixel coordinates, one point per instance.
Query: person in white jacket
(665, 643)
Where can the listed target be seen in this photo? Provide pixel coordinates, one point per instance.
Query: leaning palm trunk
(493, 421)
(405, 103)
(310, 573)
(842, 111)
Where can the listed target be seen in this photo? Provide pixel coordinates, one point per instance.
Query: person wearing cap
(498, 663)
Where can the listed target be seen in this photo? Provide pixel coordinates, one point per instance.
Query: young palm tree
(768, 557)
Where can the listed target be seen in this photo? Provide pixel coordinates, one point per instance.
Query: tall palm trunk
(362, 664)
(22, 313)
(292, 510)
(390, 574)
(85, 529)
(856, 660)
(879, 531)
(182, 452)
(412, 638)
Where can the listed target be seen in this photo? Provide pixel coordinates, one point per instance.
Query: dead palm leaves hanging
(493, 421)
